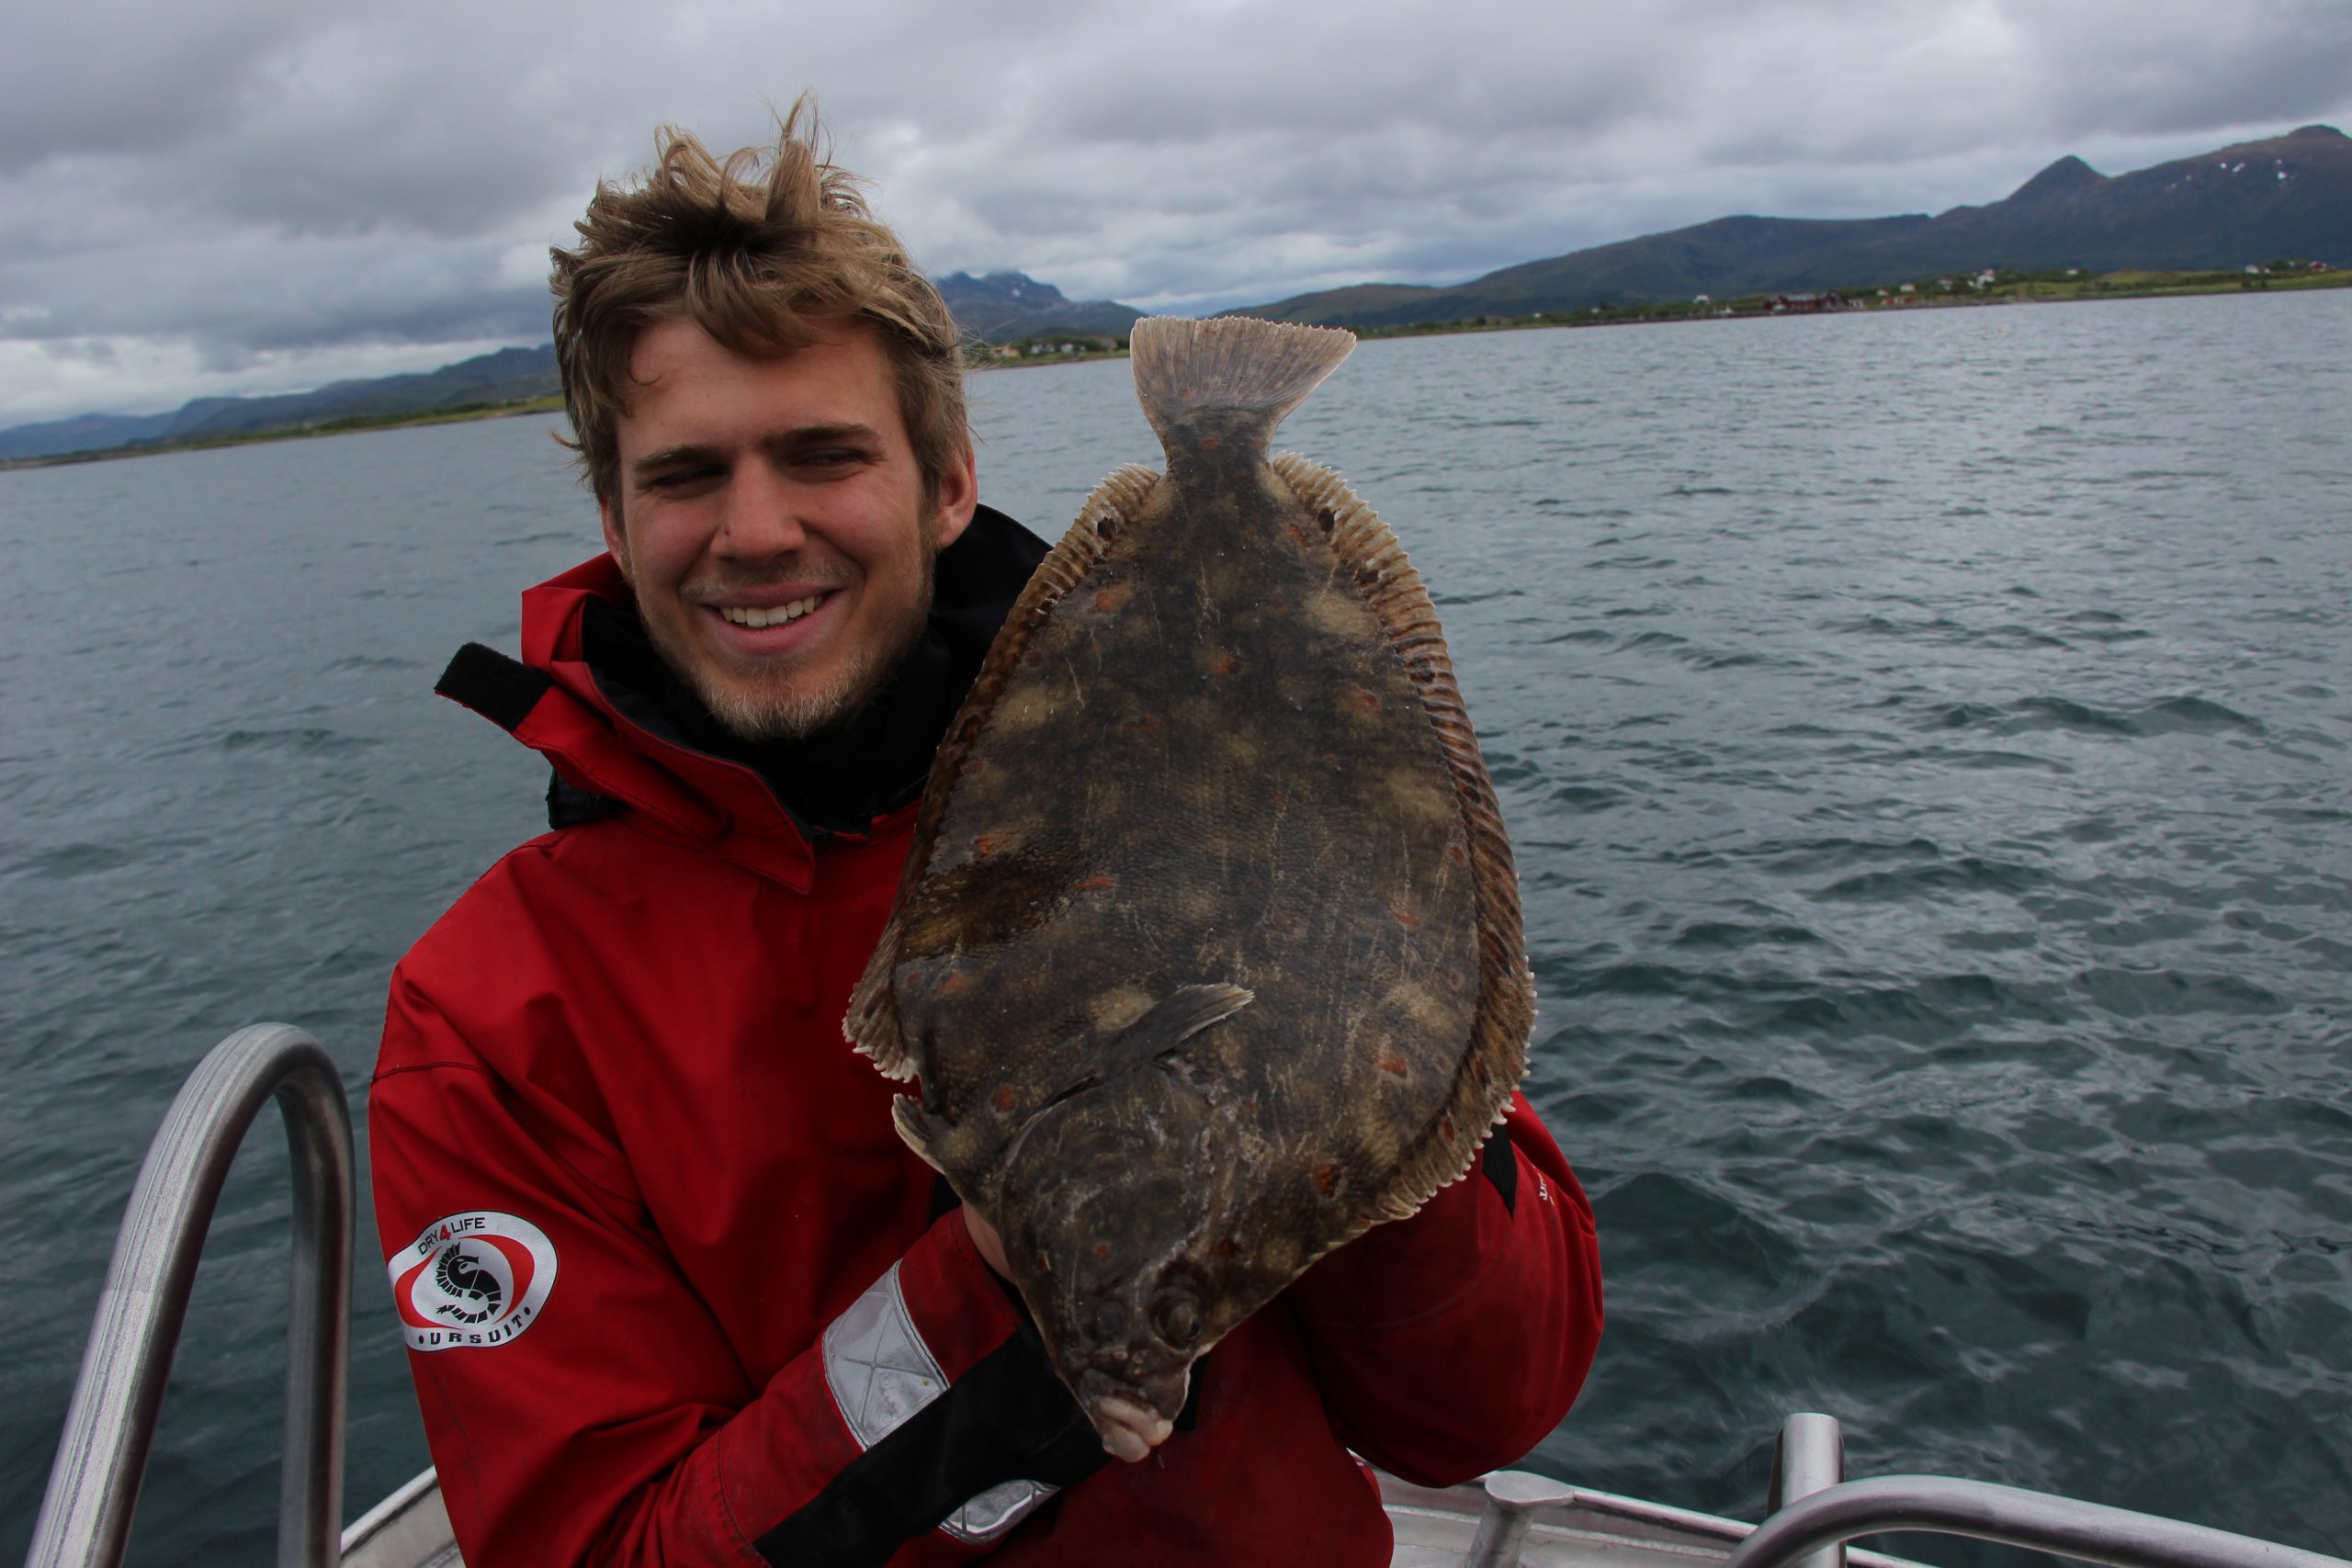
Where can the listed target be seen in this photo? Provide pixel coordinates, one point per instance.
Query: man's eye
(681, 479)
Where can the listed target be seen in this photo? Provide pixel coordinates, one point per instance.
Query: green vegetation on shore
(1993, 287)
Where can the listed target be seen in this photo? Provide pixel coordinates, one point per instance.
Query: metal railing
(1981, 1510)
(94, 1486)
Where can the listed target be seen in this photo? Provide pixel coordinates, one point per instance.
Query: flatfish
(1207, 952)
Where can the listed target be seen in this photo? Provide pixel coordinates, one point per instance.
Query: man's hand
(1129, 1431)
(991, 1244)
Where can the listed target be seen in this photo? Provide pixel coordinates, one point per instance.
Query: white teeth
(747, 616)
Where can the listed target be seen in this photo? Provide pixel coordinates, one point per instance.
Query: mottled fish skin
(1208, 953)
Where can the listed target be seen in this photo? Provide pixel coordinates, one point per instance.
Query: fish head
(1108, 1252)
(1128, 1333)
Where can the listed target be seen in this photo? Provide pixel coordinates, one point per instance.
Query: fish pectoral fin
(1176, 1017)
(919, 1127)
(1154, 1038)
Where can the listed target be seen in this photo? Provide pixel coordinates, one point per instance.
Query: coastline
(2026, 290)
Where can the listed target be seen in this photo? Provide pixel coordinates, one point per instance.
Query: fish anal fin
(1495, 1055)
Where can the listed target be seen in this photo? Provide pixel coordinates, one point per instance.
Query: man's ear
(614, 540)
(960, 496)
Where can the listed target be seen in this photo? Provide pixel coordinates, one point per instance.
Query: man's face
(770, 515)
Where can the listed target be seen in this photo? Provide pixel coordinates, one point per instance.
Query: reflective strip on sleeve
(881, 1374)
(877, 1365)
(995, 1511)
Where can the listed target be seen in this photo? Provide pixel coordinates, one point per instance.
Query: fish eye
(1177, 1320)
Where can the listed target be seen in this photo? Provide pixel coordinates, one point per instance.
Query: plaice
(1208, 953)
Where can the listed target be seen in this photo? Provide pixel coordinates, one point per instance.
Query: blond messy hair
(757, 251)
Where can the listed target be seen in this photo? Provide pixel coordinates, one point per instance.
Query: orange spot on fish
(1225, 664)
(1111, 598)
(1004, 1098)
(1362, 698)
(1211, 443)
(1098, 882)
(1457, 854)
(1102, 1252)
(1393, 1065)
(954, 982)
(1302, 537)
(1327, 1178)
(984, 846)
(1445, 1128)
(1406, 915)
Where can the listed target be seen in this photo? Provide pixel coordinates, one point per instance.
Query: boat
(1507, 1519)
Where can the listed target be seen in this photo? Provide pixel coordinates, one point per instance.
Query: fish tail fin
(1231, 364)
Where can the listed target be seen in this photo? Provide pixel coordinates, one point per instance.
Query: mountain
(511, 374)
(2286, 196)
(1005, 307)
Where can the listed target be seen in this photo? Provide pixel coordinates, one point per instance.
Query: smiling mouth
(756, 617)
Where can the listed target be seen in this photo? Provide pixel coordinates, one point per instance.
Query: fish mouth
(1132, 1420)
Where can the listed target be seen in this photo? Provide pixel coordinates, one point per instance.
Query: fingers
(985, 1239)
(1129, 1431)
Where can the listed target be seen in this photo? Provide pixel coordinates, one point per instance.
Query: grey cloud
(122, 76)
(2168, 67)
(267, 180)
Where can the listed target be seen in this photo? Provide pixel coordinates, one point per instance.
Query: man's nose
(760, 516)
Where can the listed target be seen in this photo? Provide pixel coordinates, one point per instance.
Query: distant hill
(1002, 307)
(2287, 196)
(511, 374)
(1005, 307)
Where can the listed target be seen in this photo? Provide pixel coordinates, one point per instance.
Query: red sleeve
(1452, 1343)
(581, 1404)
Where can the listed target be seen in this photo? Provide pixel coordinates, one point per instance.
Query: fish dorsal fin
(1230, 364)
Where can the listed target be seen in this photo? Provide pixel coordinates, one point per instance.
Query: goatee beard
(750, 712)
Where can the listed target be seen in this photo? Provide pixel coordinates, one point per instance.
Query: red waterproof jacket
(675, 1293)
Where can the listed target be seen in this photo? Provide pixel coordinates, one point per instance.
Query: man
(673, 1289)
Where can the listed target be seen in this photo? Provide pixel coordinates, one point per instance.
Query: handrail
(94, 1485)
(1808, 1457)
(2011, 1515)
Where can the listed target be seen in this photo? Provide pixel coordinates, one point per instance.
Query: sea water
(1927, 743)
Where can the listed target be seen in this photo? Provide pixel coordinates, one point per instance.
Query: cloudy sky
(252, 195)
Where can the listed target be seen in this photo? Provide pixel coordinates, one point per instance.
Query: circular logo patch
(474, 1279)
